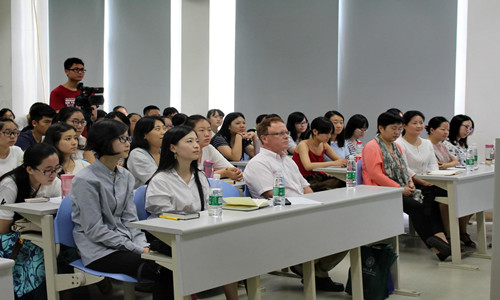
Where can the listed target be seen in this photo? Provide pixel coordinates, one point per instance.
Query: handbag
(23, 226)
(376, 262)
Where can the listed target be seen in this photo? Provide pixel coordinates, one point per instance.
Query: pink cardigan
(373, 166)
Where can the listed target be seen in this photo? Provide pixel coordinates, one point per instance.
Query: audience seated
(215, 117)
(354, 131)
(233, 140)
(259, 175)
(151, 110)
(384, 164)
(221, 166)
(10, 156)
(7, 113)
(169, 112)
(133, 118)
(309, 155)
(144, 154)
(74, 116)
(298, 126)
(36, 177)
(461, 126)
(41, 118)
(65, 139)
(179, 184)
(337, 141)
(103, 204)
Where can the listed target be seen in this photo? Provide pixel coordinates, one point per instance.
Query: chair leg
(129, 290)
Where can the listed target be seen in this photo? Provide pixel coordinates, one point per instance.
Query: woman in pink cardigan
(384, 164)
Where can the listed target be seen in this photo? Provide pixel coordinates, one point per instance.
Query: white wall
(286, 57)
(397, 54)
(76, 29)
(5, 55)
(139, 54)
(482, 90)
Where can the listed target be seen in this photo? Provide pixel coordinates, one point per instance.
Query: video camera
(87, 98)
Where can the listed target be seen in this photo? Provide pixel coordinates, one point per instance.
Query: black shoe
(442, 246)
(327, 284)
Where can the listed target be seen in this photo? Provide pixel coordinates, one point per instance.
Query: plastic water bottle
(215, 198)
(469, 161)
(473, 147)
(359, 150)
(351, 173)
(489, 154)
(279, 188)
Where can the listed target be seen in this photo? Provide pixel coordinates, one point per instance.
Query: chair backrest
(63, 224)
(140, 202)
(246, 192)
(228, 190)
(359, 172)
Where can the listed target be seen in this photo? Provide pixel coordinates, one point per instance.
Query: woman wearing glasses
(11, 156)
(36, 177)
(461, 126)
(74, 116)
(354, 131)
(298, 126)
(65, 139)
(102, 203)
(337, 141)
(384, 164)
(145, 149)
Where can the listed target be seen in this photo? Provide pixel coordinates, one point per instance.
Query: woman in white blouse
(179, 184)
(145, 149)
(421, 160)
(438, 130)
(221, 165)
(11, 156)
(65, 139)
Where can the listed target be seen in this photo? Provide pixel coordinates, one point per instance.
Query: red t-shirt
(61, 97)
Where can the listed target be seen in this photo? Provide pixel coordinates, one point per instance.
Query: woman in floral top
(461, 127)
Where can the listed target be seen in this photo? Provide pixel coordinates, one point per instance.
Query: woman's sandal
(442, 246)
(465, 237)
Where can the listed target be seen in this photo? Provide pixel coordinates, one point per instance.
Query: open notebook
(243, 203)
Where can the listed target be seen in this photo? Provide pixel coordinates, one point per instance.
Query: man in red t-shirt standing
(65, 94)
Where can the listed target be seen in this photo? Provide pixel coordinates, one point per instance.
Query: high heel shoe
(465, 237)
(442, 246)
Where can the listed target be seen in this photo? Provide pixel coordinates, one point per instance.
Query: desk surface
(482, 171)
(39, 209)
(331, 170)
(242, 245)
(240, 163)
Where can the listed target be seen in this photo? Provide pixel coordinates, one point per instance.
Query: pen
(170, 218)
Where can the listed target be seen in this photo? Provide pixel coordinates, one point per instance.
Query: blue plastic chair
(140, 202)
(228, 190)
(359, 172)
(63, 233)
(246, 191)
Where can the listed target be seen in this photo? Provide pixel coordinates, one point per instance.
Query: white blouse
(421, 159)
(12, 161)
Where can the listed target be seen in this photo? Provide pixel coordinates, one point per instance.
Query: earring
(175, 155)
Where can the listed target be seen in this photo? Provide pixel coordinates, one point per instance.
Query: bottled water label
(351, 175)
(279, 191)
(215, 200)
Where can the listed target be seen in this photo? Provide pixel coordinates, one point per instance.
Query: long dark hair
(340, 139)
(294, 118)
(455, 124)
(143, 127)
(168, 161)
(434, 123)
(410, 115)
(224, 129)
(33, 157)
(54, 134)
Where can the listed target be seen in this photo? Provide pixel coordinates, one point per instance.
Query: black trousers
(127, 262)
(431, 207)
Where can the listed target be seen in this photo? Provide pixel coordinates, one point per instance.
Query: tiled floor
(419, 272)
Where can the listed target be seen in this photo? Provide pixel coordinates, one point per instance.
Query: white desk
(210, 252)
(338, 172)
(467, 194)
(41, 214)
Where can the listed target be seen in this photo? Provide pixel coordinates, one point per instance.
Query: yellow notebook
(244, 203)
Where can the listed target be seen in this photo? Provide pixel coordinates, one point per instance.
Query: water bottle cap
(489, 146)
(208, 162)
(359, 143)
(216, 176)
(351, 157)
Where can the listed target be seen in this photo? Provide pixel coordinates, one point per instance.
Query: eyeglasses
(78, 70)
(11, 133)
(280, 134)
(395, 128)
(125, 139)
(78, 122)
(301, 123)
(469, 128)
(57, 170)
